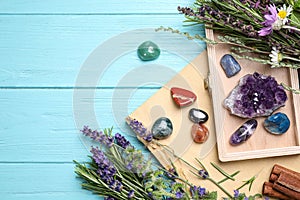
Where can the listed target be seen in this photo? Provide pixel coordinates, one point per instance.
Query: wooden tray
(261, 144)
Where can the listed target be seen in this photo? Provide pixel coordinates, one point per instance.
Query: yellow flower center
(282, 14)
(279, 57)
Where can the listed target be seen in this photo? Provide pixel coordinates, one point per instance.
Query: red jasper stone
(199, 133)
(183, 97)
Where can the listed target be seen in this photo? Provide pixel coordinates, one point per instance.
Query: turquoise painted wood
(54, 47)
(43, 48)
(91, 7)
(39, 124)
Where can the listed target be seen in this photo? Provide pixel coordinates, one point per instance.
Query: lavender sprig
(258, 25)
(120, 171)
(139, 129)
(104, 138)
(106, 170)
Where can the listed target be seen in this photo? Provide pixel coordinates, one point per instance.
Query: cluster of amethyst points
(256, 95)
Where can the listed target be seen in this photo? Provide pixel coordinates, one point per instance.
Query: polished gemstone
(243, 133)
(198, 116)
(255, 95)
(200, 133)
(182, 97)
(162, 128)
(230, 66)
(277, 123)
(148, 51)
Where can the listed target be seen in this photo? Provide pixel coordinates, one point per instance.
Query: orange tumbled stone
(199, 133)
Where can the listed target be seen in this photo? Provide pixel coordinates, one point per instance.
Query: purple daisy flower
(271, 19)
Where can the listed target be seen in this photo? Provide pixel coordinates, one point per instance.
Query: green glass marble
(148, 51)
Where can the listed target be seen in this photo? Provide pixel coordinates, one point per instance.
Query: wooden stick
(289, 180)
(277, 169)
(288, 192)
(269, 191)
(273, 177)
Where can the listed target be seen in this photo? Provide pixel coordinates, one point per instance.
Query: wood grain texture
(51, 49)
(37, 181)
(39, 124)
(91, 7)
(43, 45)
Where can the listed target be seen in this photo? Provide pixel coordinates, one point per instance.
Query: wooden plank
(91, 6)
(43, 125)
(37, 51)
(41, 181)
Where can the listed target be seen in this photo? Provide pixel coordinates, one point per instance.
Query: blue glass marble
(243, 133)
(277, 123)
(230, 66)
(162, 128)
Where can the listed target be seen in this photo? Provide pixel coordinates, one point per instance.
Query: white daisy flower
(284, 12)
(276, 57)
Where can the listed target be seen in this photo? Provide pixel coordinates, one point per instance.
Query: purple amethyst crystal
(243, 133)
(256, 95)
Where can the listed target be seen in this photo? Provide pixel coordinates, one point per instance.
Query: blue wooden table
(43, 48)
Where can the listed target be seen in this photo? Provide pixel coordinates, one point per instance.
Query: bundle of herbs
(263, 31)
(117, 170)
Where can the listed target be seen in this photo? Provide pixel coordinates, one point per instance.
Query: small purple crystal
(256, 95)
(243, 133)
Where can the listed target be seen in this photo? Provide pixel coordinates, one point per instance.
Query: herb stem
(215, 183)
(167, 149)
(225, 179)
(222, 171)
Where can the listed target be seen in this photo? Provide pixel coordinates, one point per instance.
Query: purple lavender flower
(236, 193)
(121, 141)
(172, 173)
(179, 195)
(201, 191)
(140, 129)
(148, 138)
(106, 169)
(270, 21)
(203, 173)
(98, 136)
(131, 194)
(197, 191)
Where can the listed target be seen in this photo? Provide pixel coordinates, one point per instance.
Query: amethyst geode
(256, 95)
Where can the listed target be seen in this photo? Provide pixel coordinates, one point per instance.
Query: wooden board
(262, 143)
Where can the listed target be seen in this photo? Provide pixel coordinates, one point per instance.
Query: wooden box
(261, 143)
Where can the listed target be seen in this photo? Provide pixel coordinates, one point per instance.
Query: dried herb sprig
(201, 173)
(254, 27)
(119, 171)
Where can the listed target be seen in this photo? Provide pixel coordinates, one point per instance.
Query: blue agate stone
(230, 66)
(162, 128)
(277, 123)
(243, 133)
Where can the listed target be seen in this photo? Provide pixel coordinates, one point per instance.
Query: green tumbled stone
(148, 51)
